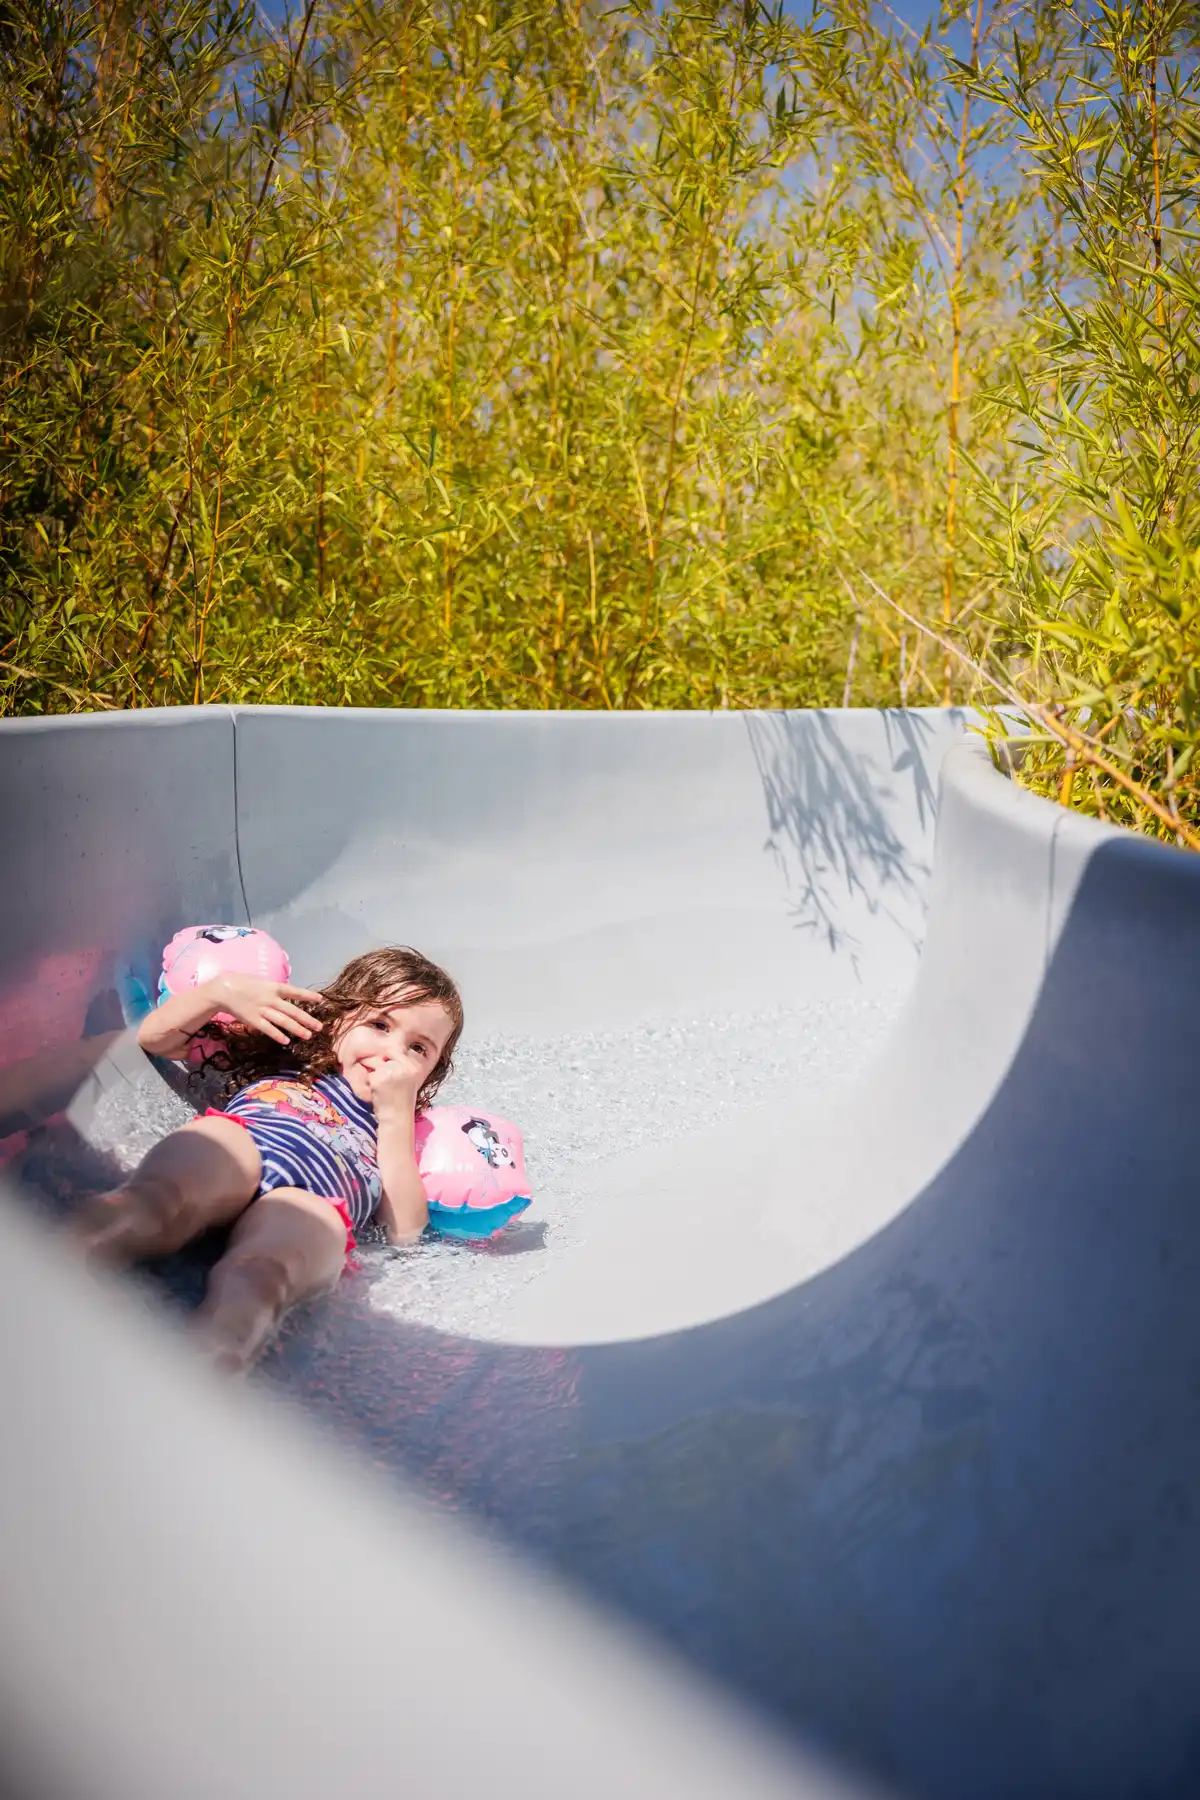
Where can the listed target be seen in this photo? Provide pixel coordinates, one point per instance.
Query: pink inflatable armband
(199, 953)
(472, 1166)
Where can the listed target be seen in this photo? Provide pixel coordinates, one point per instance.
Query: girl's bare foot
(117, 1228)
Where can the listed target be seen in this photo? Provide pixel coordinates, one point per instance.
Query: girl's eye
(380, 1024)
(421, 1049)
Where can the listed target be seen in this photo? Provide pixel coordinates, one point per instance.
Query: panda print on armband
(496, 1154)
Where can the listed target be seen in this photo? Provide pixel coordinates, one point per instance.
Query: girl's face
(417, 1032)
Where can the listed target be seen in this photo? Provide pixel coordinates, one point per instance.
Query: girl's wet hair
(381, 978)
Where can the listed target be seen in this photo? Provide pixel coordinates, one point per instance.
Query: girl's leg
(286, 1246)
(204, 1174)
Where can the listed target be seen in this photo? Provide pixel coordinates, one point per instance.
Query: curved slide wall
(882, 1411)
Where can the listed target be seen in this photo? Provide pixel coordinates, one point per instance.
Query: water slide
(831, 1425)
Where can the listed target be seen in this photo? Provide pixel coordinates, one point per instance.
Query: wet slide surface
(851, 1347)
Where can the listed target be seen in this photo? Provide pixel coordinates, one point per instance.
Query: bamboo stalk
(82, 698)
(1156, 232)
(952, 411)
(399, 190)
(319, 384)
(850, 660)
(1083, 746)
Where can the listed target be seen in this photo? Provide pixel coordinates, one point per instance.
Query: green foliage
(1097, 538)
(461, 352)
(430, 354)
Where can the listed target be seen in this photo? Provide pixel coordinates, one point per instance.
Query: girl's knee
(162, 1204)
(284, 1266)
(272, 1276)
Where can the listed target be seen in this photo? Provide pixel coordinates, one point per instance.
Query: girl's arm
(169, 1029)
(266, 1006)
(403, 1210)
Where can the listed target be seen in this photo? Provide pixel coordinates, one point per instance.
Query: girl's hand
(395, 1084)
(266, 1006)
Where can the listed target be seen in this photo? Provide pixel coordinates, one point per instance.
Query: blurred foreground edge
(202, 1597)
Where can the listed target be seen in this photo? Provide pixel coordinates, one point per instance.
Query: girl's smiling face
(418, 1032)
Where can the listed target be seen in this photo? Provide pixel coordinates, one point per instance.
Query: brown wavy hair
(389, 977)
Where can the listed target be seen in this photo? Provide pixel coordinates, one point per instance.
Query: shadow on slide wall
(831, 830)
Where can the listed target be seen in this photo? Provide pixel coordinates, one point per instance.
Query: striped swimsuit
(320, 1138)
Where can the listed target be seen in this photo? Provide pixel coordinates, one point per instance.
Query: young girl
(317, 1139)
